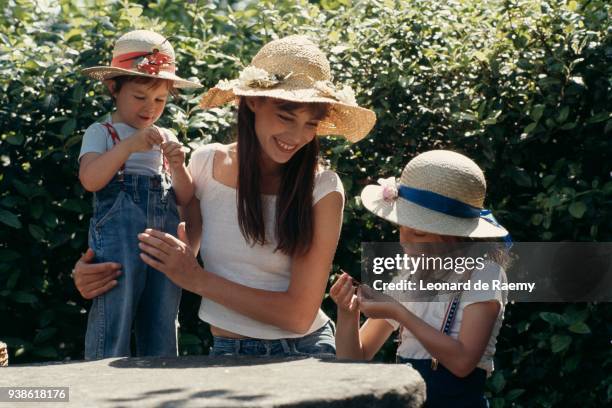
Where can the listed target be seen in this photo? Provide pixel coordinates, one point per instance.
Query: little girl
(439, 200)
(122, 160)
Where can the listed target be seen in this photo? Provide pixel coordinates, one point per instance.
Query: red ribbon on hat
(146, 62)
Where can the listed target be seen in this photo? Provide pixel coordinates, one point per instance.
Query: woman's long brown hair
(294, 216)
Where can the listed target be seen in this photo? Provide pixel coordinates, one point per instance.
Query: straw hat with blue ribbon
(440, 192)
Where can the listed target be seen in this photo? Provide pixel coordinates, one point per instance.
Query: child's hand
(377, 305)
(343, 293)
(143, 140)
(175, 154)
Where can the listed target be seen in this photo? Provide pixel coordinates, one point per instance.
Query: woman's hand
(93, 280)
(377, 305)
(172, 256)
(343, 293)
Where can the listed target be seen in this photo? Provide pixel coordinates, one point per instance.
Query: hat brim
(350, 121)
(406, 213)
(104, 73)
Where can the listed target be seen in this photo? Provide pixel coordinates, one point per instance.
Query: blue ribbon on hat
(449, 206)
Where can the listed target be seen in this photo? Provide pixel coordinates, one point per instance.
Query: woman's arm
(193, 218)
(294, 309)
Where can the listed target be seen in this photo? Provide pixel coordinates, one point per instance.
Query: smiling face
(283, 127)
(139, 104)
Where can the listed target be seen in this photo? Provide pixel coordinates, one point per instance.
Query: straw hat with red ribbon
(142, 53)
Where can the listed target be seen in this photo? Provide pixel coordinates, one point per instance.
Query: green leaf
(8, 255)
(563, 114)
(188, 339)
(560, 342)
(45, 334)
(10, 219)
(536, 219)
(530, 127)
(37, 232)
(45, 352)
(514, 394)
(600, 117)
(536, 113)
(24, 297)
(134, 11)
(580, 328)
(577, 209)
(571, 363)
(15, 139)
(11, 282)
(498, 382)
(68, 127)
(547, 181)
(554, 319)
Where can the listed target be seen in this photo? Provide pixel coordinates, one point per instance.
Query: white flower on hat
(226, 85)
(257, 77)
(389, 188)
(345, 95)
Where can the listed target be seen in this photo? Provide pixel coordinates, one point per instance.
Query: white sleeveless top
(433, 314)
(226, 253)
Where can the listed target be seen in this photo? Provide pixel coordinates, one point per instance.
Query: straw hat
(294, 69)
(142, 53)
(440, 192)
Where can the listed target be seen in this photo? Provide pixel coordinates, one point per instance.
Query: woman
(267, 216)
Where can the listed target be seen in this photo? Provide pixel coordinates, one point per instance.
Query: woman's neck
(271, 173)
(269, 168)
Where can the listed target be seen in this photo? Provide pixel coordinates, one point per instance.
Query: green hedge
(523, 87)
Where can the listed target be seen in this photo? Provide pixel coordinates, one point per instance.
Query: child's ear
(111, 84)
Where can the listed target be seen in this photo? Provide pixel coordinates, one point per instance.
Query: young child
(122, 161)
(439, 199)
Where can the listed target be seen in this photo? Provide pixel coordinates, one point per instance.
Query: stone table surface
(202, 381)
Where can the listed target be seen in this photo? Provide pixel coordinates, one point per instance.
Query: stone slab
(203, 381)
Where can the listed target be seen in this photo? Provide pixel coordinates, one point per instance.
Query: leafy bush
(523, 87)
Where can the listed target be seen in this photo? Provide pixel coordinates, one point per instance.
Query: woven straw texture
(302, 66)
(447, 173)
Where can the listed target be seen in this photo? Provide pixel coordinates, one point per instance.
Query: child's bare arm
(347, 330)
(182, 181)
(97, 169)
(351, 341)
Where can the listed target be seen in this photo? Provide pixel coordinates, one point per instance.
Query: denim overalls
(143, 296)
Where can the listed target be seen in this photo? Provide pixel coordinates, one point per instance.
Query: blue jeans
(320, 343)
(143, 297)
(444, 389)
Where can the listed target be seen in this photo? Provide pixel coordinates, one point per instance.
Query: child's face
(139, 105)
(282, 132)
(413, 236)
